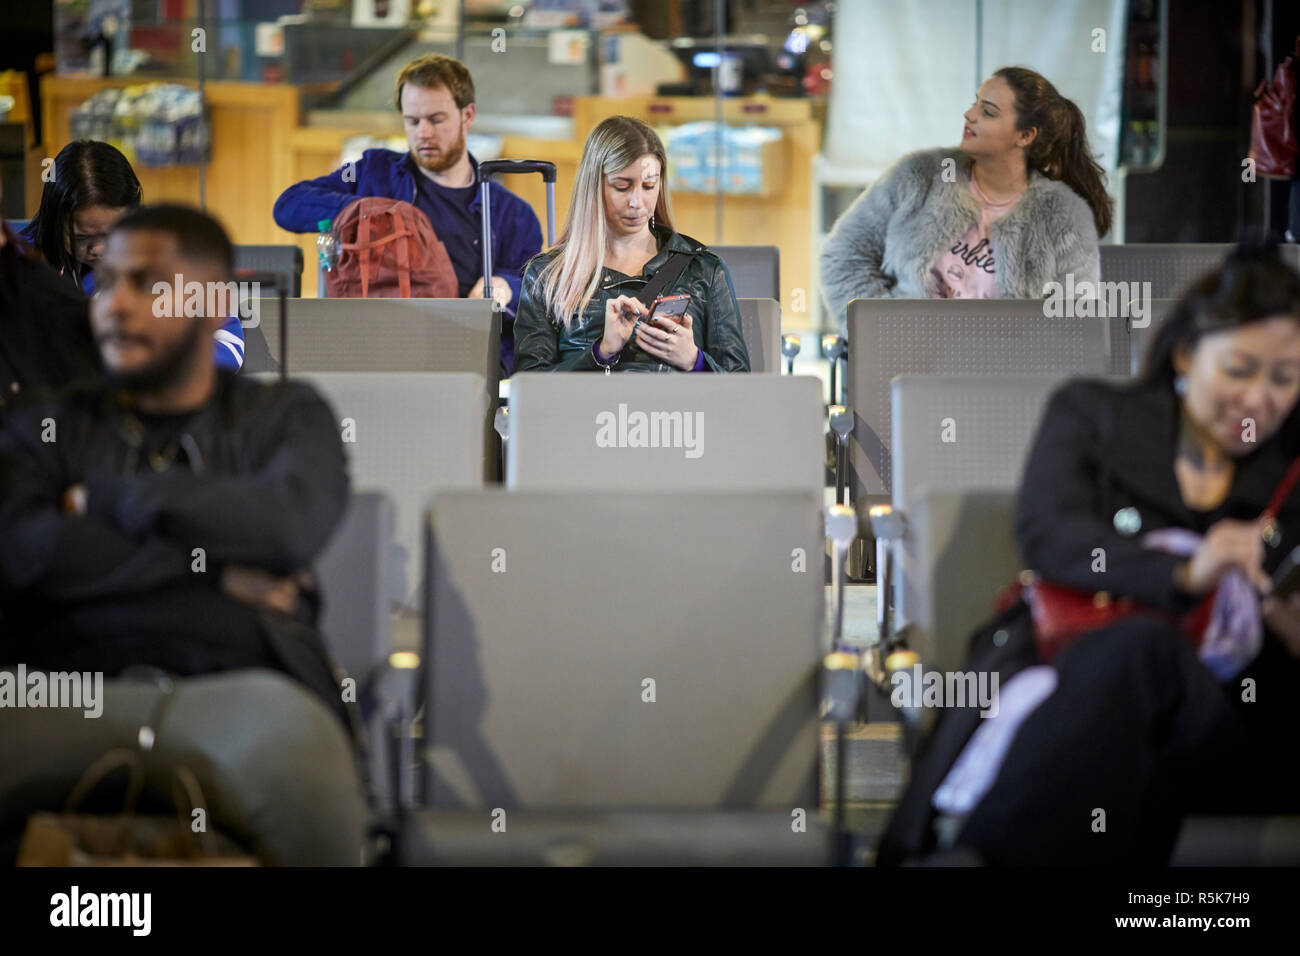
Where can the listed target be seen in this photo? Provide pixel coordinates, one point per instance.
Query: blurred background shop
(776, 114)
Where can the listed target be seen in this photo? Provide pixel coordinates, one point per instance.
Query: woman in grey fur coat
(1020, 203)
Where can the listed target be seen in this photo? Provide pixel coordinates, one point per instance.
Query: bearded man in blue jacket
(439, 176)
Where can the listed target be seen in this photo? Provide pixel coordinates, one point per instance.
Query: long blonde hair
(569, 281)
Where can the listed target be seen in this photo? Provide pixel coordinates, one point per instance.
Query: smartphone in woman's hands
(670, 308)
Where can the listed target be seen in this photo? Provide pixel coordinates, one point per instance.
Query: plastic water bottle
(327, 246)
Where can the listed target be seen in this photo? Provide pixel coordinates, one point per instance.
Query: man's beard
(171, 367)
(449, 158)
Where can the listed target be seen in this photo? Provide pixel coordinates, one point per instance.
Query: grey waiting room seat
(616, 651)
(283, 260)
(675, 838)
(755, 270)
(408, 434)
(990, 337)
(387, 335)
(760, 325)
(960, 554)
(954, 433)
(1170, 267)
(963, 431)
(727, 432)
(390, 335)
(355, 576)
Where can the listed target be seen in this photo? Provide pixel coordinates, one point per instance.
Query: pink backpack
(387, 250)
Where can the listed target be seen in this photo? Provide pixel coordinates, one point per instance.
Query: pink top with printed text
(967, 269)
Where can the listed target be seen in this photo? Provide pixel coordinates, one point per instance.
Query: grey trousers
(276, 768)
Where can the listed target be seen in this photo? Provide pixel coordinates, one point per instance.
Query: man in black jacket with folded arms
(167, 515)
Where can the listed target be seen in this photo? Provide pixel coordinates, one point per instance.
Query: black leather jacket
(544, 343)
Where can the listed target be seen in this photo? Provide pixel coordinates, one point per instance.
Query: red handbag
(1272, 129)
(1063, 614)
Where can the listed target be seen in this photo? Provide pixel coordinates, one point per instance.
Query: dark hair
(86, 173)
(433, 70)
(1060, 150)
(199, 237)
(1253, 284)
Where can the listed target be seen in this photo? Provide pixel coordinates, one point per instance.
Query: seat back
(1171, 267)
(755, 270)
(661, 432)
(355, 579)
(760, 325)
(960, 555)
(392, 335)
(991, 337)
(611, 650)
(963, 431)
(953, 433)
(285, 261)
(388, 335)
(408, 434)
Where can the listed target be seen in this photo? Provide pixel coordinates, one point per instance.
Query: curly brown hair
(432, 70)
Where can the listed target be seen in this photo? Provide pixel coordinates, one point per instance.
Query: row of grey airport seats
(894, 337)
(612, 644)
(483, 618)
(593, 509)
(755, 269)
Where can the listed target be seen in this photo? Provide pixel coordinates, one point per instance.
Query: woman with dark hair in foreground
(1159, 492)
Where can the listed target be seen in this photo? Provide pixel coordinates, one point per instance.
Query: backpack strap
(666, 276)
(363, 247)
(403, 256)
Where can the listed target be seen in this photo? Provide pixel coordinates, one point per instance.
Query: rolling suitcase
(486, 170)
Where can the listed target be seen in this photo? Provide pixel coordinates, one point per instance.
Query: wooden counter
(251, 160)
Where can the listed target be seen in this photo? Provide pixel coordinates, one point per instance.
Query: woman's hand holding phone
(670, 342)
(621, 316)
(1228, 544)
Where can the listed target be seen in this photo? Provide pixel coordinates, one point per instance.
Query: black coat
(260, 479)
(544, 343)
(1103, 448)
(1149, 726)
(45, 338)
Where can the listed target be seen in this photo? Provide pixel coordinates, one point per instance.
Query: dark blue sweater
(516, 233)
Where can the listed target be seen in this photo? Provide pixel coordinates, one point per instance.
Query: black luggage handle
(493, 166)
(486, 170)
